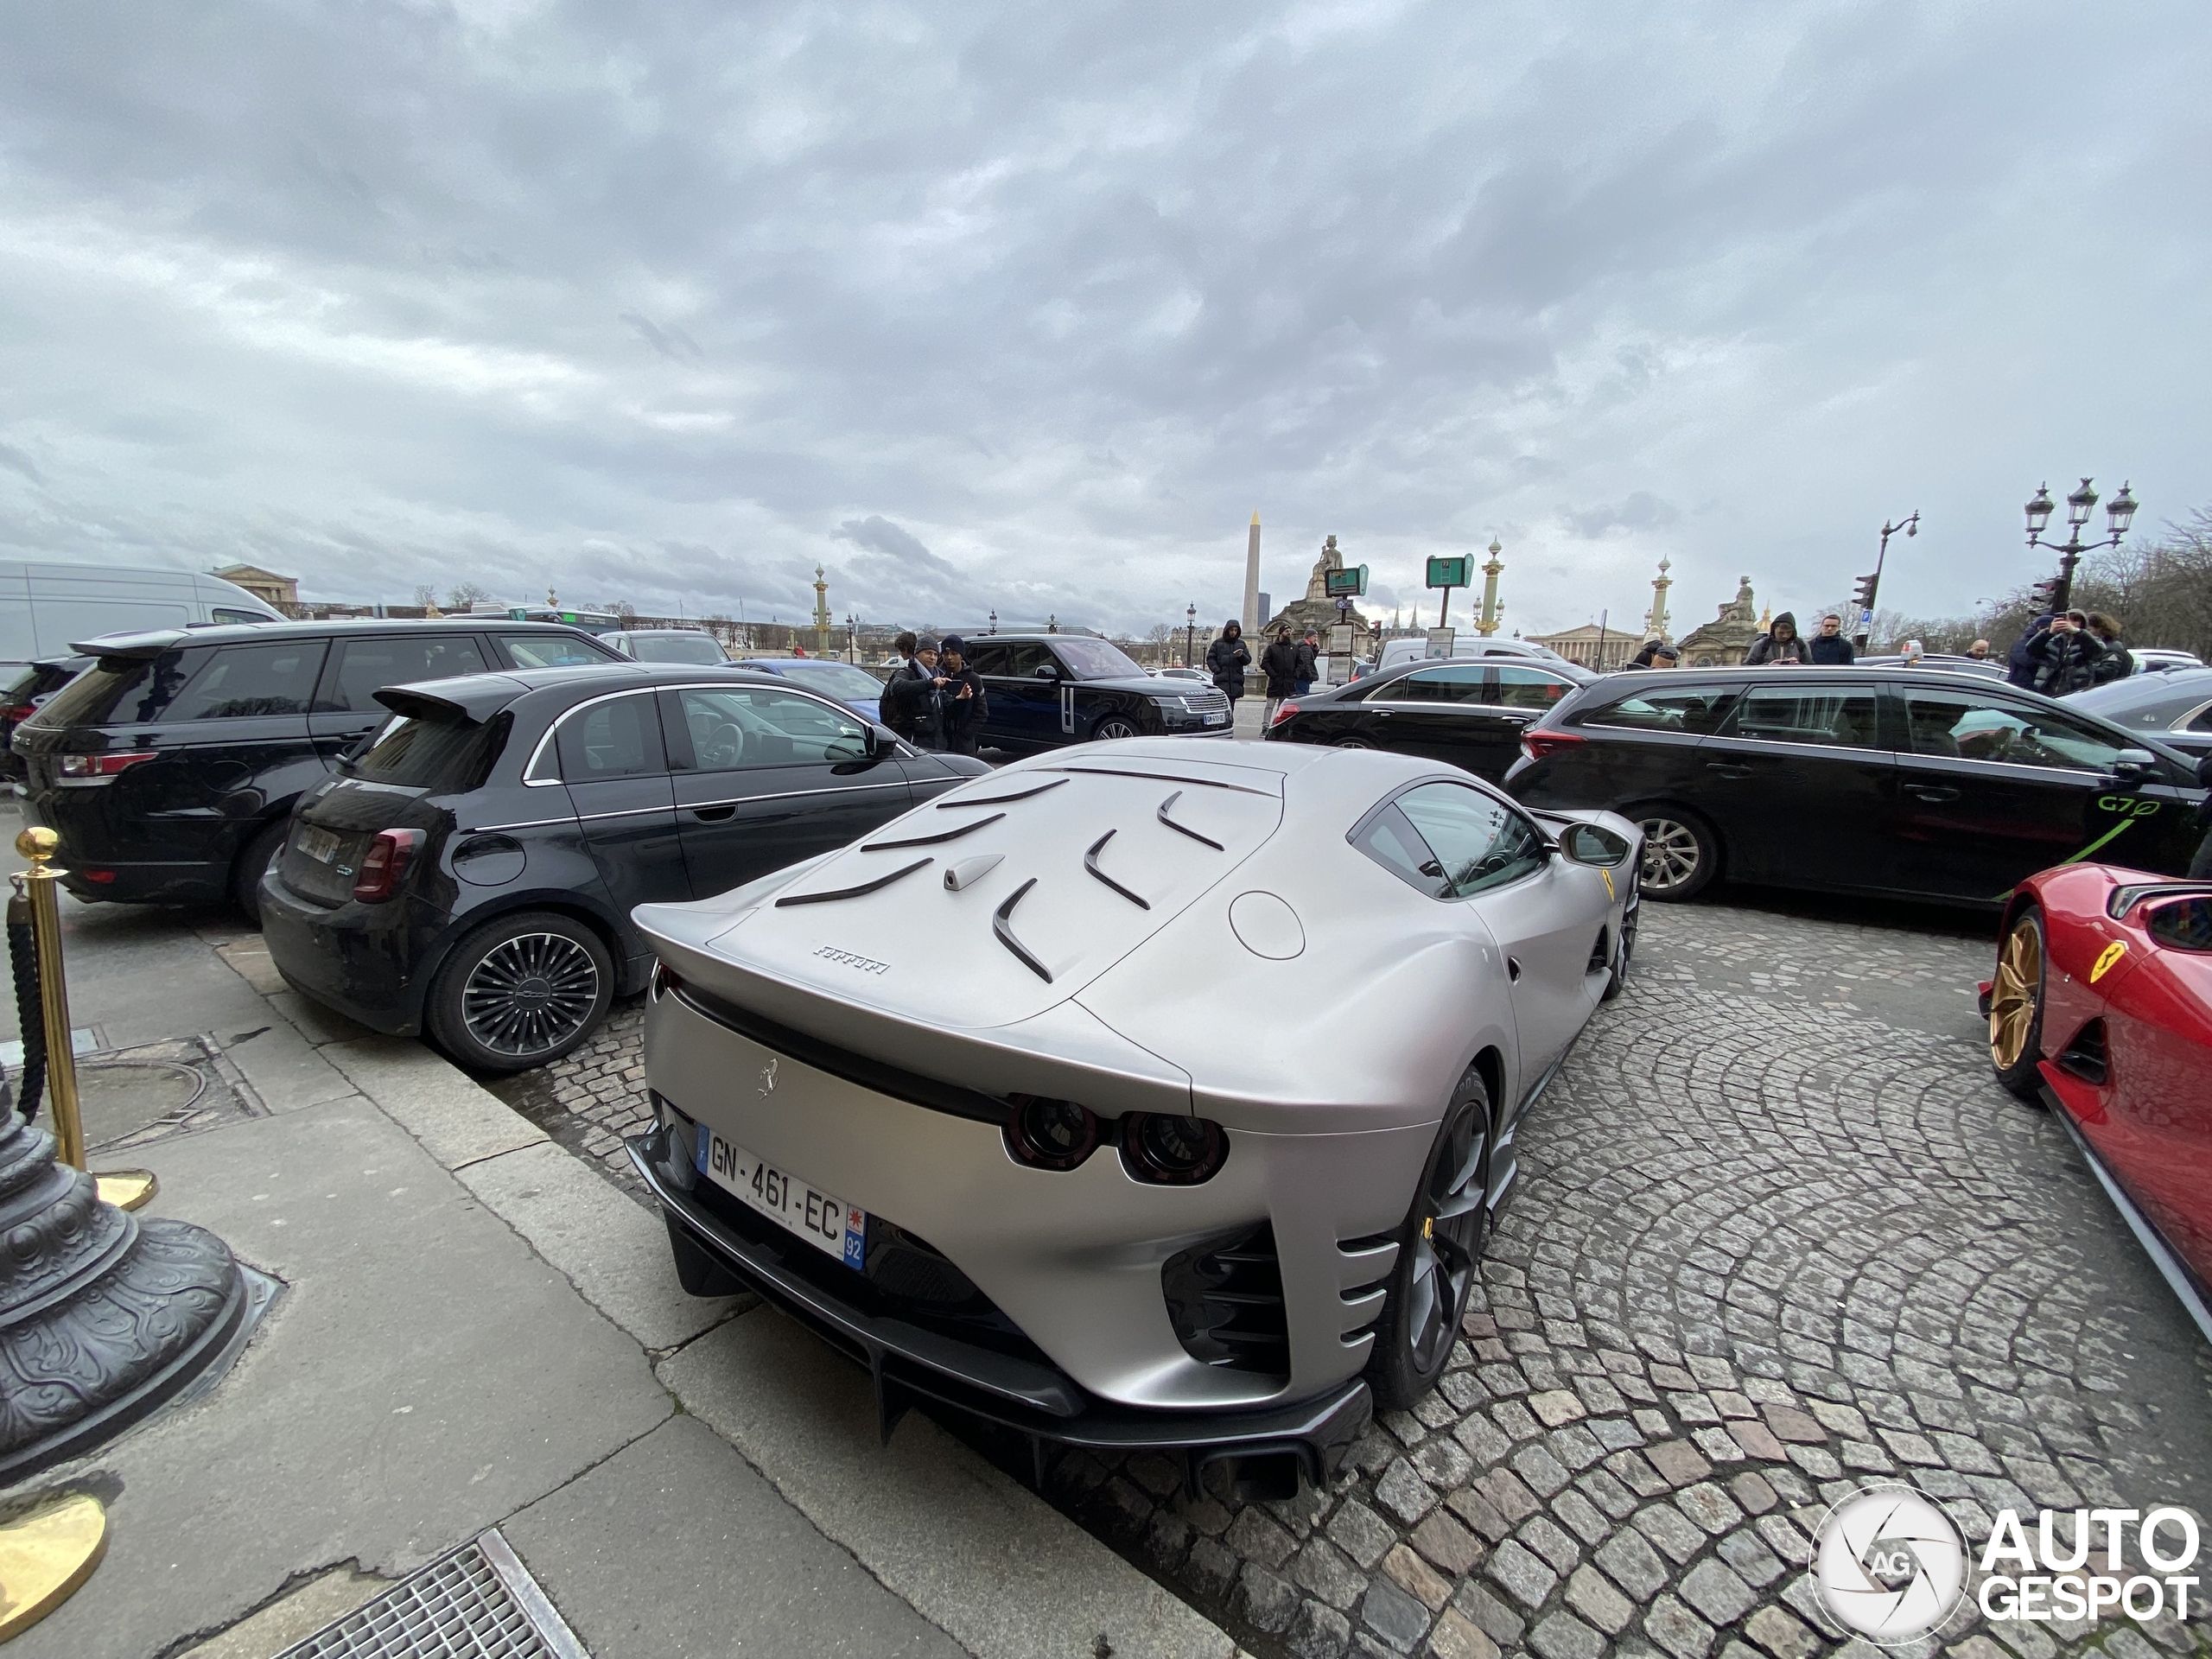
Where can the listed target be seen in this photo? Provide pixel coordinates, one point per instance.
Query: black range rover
(170, 766)
(1051, 689)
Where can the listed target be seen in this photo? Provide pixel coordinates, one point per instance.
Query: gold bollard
(45, 1554)
(126, 1189)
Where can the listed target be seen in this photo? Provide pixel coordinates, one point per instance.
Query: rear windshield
(675, 648)
(450, 756)
(123, 691)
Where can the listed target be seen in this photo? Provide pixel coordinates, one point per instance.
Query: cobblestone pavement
(1777, 1235)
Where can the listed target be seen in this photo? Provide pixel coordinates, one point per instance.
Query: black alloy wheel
(1438, 1247)
(1351, 743)
(2015, 996)
(252, 864)
(1681, 853)
(1111, 728)
(520, 991)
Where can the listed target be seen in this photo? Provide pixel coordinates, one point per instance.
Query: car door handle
(712, 814)
(1513, 969)
(1931, 792)
(1728, 768)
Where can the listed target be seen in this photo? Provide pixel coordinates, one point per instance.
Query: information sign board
(1449, 573)
(1440, 642)
(1345, 584)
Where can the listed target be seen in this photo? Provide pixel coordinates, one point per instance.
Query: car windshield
(451, 755)
(839, 680)
(1096, 659)
(675, 648)
(123, 691)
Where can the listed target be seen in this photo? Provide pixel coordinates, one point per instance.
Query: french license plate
(321, 845)
(831, 1226)
(1216, 720)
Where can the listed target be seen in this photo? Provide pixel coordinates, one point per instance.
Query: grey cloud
(16, 461)
(1640, 511)
(670, 342)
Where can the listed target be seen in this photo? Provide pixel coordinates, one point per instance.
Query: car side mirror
(881, 742)
(1048, 671)
(1586, 843)
(2133, 766)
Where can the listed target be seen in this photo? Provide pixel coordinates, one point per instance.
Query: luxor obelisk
(1251, 613)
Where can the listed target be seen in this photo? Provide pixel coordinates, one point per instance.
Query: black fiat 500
(170, 766)
(1051, 689)
(472, 873)
(1907, 782)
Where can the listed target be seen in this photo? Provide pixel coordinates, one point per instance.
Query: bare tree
(426, 596)
(461, 596)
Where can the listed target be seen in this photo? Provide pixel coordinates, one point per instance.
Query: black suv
(1050, 690)
(170, 766)
(1908, 782)
(472, 872)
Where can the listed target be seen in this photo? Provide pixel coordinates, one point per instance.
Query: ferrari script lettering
(867, 965)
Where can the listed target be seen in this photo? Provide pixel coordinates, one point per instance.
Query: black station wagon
(170, 766)
(472, 873)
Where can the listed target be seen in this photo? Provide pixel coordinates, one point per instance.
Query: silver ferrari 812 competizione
(1132, 1097)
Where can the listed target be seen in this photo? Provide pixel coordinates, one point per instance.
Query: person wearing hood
(1279, 662)
(2021, 664)
(1780, 643)
(965, 704)
(2066, 655)
(1828, 646)
(1227, 658)
(2117, 662)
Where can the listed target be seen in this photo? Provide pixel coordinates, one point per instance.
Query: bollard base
(45, 1556)
(127, 1189)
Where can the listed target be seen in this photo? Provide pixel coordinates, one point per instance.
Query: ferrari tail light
(386, 864)
(1537, 745)
(1169, 1150)
(666, 981)
(1283, 712)
(86, 771)
(1047, 1133)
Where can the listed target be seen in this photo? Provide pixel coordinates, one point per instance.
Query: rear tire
(1439, 1245)
(521, 991)
(252, 864)
(2016, 998)
(1682, 853)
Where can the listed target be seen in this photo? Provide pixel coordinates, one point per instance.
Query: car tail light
(1169, 1150)
(17, 711)
(666, 981)
(1537, 745)
(385, 866)
(1047, 1133)
(84, 770)
(101, 876)
(1283, 712)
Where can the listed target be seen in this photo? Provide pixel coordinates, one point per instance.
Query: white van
(1464, 645)
(46, 609)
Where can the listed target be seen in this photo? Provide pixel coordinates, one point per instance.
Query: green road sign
(1449, 573)
(1345, 584)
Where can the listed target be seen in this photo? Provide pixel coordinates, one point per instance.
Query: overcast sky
(1029, 307)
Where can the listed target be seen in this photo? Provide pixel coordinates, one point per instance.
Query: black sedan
(472, 872)
(1904, 782)
(1468, 712)
(1047, 691)
(2175, 707)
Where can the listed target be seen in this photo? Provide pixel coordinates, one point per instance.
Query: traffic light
(1862, 599)
(2046, 595)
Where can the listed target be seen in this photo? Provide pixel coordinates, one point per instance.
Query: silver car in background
(1134, 1097)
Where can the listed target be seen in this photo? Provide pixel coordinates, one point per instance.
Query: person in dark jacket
(2117, 662)
(913, 701)
(1309, 663)
(1279, 662)
(1829, 645)
(1227, 658)
(965, 704)
(1645, 659)
(2066, 655)
(1780, 643)
(2020, 667)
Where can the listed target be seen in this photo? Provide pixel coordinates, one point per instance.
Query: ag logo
(2107, 960)
(767, 1079)
(1890, 1564)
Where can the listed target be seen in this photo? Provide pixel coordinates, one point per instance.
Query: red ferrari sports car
(2102, 1007)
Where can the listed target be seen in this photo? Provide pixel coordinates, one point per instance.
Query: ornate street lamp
(1863, 596)
(852, 653)
(2057, 592)
(1190, 629)
(994, 621)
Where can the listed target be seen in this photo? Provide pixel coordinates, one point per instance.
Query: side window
(1480, 842)
(553, 651)
(224, 613)
(2202, 722)
(1694, 710)
(1965, 725)
(1455, 682)
(1394, 844)
(241, 682)
(364, 667)
(620, 738)
(1528, 688)
(749, 725)
(987, 659)
(1839, 716)
(1023, 660)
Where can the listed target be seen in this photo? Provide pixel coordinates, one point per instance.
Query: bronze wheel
(2016, 1007)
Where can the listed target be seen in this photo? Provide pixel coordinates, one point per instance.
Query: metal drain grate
(478, 1602)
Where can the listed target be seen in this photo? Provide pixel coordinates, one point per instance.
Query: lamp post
(2119, 514)
(994, 621)
(1863, 599)
(852, 653)
(1190, 630)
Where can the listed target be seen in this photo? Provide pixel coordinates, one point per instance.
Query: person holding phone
(2066, 655)
(962, 696)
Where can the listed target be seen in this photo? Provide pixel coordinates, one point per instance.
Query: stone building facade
(1726, 639)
